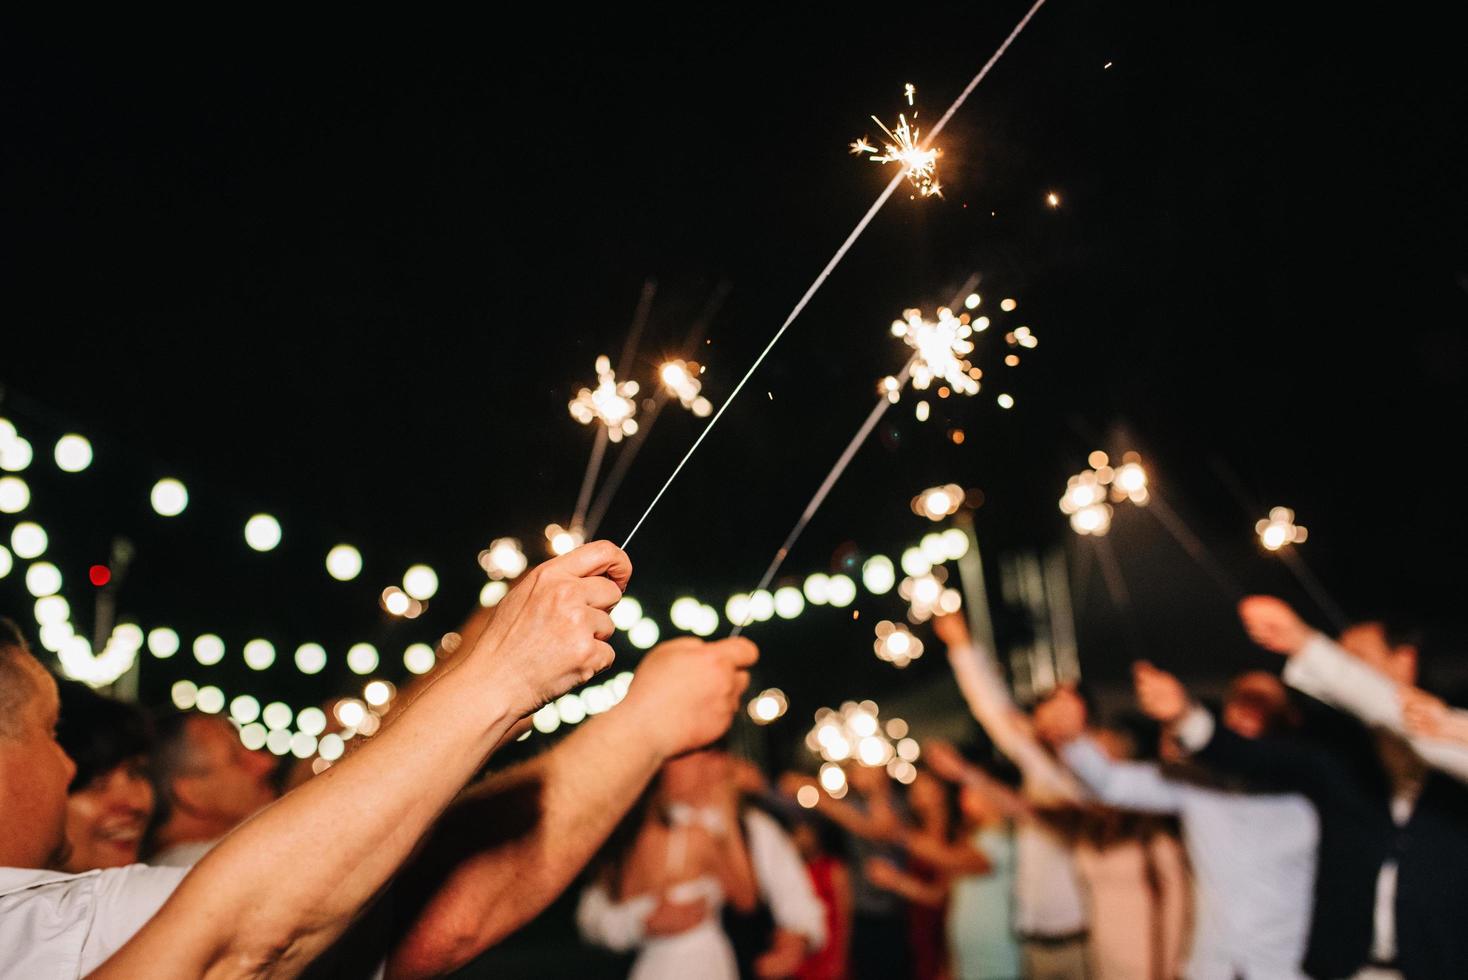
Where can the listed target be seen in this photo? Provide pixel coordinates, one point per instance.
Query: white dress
(703, 952)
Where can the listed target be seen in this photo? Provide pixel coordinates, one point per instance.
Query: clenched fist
(689, 690)
(550, 633)
(1061, 717)
(1272, 624)
(1160, 695)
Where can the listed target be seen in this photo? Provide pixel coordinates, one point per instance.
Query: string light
(310, 658)
(419, 658)
(493, 593)
(343, 562)
(73, 453)
(878, 575)
(262, 532)
(6, 562)
(420, 582)
(259, 654)
(169, 497)
(362, 658)
(15, 495)
(208, 649)
(163, 642)
(28, 540)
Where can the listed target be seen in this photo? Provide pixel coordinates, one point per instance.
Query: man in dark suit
(1391, 896)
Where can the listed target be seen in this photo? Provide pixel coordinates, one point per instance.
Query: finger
(602, 625)
(741, 682)
(600, 593)
(741, 652)
(597, 558)
(603, 656)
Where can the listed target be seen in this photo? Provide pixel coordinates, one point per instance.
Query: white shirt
(1048, 895)
(778, 871)
(1326, 672)
(62, 925)
(183, 855)
(1253, 860)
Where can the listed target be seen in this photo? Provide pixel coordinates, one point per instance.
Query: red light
(100, 575)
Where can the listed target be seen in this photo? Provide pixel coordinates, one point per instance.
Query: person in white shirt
(1393, 868)
(1051, 915)
(281, 888)
(1253, 856)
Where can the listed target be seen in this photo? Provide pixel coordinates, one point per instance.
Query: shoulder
(54, 924)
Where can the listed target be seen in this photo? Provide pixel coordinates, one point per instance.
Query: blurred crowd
(1311, 824)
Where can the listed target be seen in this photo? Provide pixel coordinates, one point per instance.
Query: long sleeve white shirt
(1253, 859)
(1049, 897)
(1326, 672)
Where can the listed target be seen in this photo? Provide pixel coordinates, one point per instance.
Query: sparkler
(857, 733)
(835, 260)
(904, 146)
(896, 645)
(611, 402)
(1279, 534)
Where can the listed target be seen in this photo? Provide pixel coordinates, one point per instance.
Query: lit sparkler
(896, 645)
(856, 734)
(1280, 529)
(503, 559)
(927, 596)
(940, 350)
(1089, 495)
(612, 403)
(903, 146)
(681, 379)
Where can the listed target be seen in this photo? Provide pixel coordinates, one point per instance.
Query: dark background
(353, 280)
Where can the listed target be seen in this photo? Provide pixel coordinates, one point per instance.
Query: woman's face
(105, 819)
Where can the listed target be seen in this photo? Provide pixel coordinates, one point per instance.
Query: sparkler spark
(612, 403)
(681, 378)
(902, 146)
(940, 349)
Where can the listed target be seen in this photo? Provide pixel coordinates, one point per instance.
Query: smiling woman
(110, 800)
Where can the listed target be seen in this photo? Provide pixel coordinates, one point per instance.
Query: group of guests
(1312, 826)
(399, 860)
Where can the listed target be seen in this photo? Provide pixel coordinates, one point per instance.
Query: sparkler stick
(873, 417)
(624, 368)
(820, 279)
(629, 452)
(1195, 548)
(1312, 586)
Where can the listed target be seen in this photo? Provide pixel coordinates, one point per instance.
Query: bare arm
(529, 831)
(282, 887)
(983, 688)
(959, 858)
(886, 875)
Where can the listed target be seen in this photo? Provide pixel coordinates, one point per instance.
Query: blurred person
(1392, 882)
(271, 897)
(1428, 716)
(981, 936)
(207, 783)
(1253, 856)
(820, 848)
(1051, 915)
(790, 922)
(110, 799)
(688, 852)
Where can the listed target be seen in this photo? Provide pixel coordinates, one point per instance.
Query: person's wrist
(641, 726)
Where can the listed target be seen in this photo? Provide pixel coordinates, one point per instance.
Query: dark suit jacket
(1337, 764)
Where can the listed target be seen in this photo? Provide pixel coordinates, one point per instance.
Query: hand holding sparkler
(1272, 624)
(1160, 695)
(952, 629)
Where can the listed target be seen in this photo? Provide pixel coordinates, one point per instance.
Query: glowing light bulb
(262, 532)
(343, 563)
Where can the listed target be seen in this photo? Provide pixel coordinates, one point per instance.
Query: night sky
(353, 281)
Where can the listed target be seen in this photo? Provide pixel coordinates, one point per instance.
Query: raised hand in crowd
(1061, 718)
(1160, 695)
(1272, 624)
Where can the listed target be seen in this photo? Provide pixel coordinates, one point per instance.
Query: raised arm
(276, 892)
(946, 762)
(1322, 669)
(523, 835)
(1061, 721)
(988, 699)
(1281, 763)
